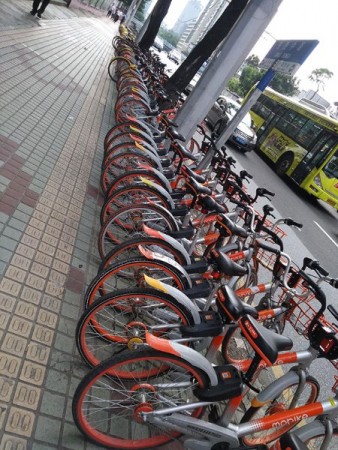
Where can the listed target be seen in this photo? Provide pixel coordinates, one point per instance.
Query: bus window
(331, 168)
(314, 157)
(309, 133)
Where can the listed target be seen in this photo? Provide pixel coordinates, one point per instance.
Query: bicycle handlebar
(291, 223)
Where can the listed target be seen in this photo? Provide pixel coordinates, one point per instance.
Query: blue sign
(287, 56)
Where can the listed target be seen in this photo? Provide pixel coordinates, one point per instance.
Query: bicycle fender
(160, 189)
(182, 351)
(159, 175)
(156, 256)
(168, 213)
(275, 388)
(179, 296)
(173, 242)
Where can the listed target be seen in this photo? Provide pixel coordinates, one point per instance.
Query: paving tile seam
(29, 63)
(81, 183)
(53, 23)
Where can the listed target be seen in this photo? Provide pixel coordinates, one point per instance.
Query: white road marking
(335, 243)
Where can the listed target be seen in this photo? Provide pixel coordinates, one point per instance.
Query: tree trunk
(157, 15)
(203, 50)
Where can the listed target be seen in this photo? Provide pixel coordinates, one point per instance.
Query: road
(320, 230)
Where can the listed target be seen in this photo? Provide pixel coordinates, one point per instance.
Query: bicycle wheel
(123, 163)
(124, 127)
(136, 176)
(315, 441)
(126, 136)
(129, 273)
(279, 404)
(129, 221)
(235, 348)
(107, 407)
(132, 195)
(121, 147)
(129, 250)
(245, 281)
(117, 321)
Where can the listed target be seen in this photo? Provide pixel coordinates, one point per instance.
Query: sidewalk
(55, 109)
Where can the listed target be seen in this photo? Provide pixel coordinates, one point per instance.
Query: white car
(175, 56)
(244, 136)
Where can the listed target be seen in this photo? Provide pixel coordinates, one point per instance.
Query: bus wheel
(283, 164)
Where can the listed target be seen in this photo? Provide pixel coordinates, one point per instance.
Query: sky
(308, 19)
(298, 19)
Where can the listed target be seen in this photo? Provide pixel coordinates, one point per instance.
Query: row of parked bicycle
(183, 324)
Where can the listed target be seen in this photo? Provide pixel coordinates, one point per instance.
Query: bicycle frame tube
(292, 416)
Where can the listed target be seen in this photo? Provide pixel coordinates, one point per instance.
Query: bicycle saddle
(186, 170)
(233, 229)
(195, 187)
(183, 152)
(290, 441)
(226, 265)
(231, 307)
(209, 204)
(267, 344)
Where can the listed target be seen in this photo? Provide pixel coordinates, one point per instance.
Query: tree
(156, 17)
(203, 50)
(250, 74)
(285, 84)
(169, 36)
(319, 77)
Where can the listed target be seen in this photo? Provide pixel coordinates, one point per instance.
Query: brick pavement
(55, 108)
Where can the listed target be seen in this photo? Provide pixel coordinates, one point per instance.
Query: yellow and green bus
(301, 142)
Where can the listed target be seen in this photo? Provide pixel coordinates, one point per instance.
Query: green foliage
(251, 73)
(285, 85)
(140, 12)
(169, 36)
(319, 76)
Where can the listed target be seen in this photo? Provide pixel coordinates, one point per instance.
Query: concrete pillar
(231, 53)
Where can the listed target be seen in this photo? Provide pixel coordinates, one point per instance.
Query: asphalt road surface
(320, 221)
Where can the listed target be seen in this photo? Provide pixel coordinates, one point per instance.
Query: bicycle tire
(119, 390)
(123, 127)
(279, 404)
(115, 321)
(134, 176)
(123, 163)
(129, 249)
(315, 438)
(132, 195)
(120, 147)
(130, 273)
(129, 221)
(126, 136)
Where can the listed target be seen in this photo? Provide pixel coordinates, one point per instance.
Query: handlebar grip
(276, 239)
(245, 174)
(333, 311)
(268, 248)
(262, 192)
(292, 223)
(314, 265)
(334, 283)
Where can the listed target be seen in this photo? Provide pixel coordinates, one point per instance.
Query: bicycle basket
(303, 308)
